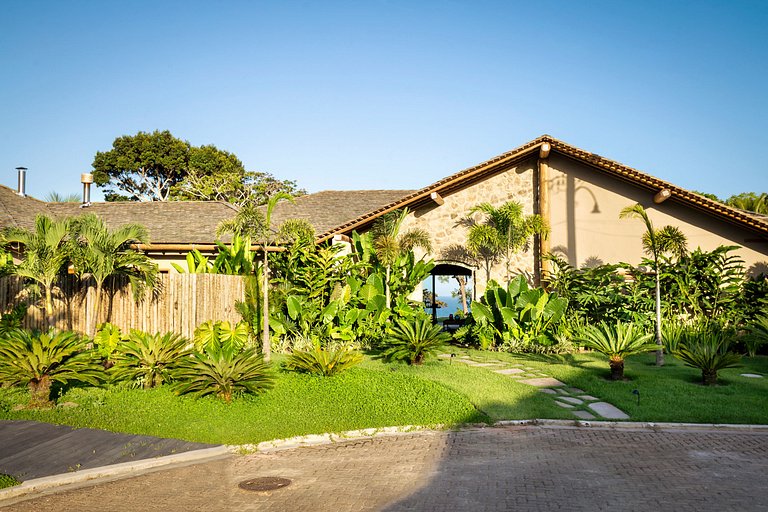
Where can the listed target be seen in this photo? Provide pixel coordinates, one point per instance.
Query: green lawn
(378, 394)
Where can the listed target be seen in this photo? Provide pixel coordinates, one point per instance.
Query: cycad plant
(148, 359)
(756, 335)
(707, 347)
(617, 342)
(415, 340)
(222, 370)
(322, 360)
(39, 360)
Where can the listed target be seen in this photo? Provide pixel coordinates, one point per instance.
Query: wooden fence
(180, 303)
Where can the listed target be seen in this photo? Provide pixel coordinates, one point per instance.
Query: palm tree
(617, 342)
(668, 239)
(101, 253)
(44, 255)
(505, 231)
(750, 201)
(389, 244)
(250, 222)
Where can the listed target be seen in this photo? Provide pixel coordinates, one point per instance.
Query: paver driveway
(502, 468)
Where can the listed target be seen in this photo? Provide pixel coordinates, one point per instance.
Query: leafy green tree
(504, 232)
(390, 244)
(101, 253)
(750, 201)
(43, 256)
(656, 242)
(250, 222)
(144, 167)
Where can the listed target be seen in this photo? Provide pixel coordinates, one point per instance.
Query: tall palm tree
(389, 244)
(656, 242)
(44, 255)
(251, 223)
(505, 231)
(102, 253)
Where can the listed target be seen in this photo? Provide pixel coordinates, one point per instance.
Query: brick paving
(501, 468)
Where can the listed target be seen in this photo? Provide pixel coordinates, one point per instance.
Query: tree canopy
(160, 167)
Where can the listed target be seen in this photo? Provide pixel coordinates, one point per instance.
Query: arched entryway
(463, 277)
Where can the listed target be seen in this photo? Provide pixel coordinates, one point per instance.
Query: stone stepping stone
(608, 411)
(564, 406)
(543, 382)
(588, 398)
(529, 368)
(584, 415)
(510, 371)
(570, 400)
(484, 365)
(575, 391)
(562, 391)
(548, 391)
(751, 375)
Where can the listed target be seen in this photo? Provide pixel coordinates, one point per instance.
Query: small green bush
(326, 361)
(147, 360)
(616, 341)
(707, 347)
(222, 370)
(7, 481)
(756, 335)
(37, 360)
(415, 340)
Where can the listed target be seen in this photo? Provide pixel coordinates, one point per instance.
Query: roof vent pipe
(22, 190)
(86, 179)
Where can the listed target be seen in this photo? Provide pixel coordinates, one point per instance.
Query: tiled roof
(330, 208)
(168, 222)
(17, 211)
(509, 159)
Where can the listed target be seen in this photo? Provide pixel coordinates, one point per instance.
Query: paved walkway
(580, 404)
(30, 449)
(501, 468)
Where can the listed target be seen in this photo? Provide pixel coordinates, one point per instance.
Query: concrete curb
(126, 468)
(634, 425)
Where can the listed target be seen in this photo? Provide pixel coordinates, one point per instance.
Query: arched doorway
(462, 277)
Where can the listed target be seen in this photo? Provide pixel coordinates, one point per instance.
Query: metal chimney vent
(86, 179)
(22, 190)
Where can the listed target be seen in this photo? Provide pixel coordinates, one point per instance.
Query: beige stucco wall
(444, 225)
(586, 228)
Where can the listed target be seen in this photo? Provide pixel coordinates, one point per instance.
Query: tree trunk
(617, 369)
(40, 391)
(49, 320)
(660, 352)
(266, 343)
(97, 303)
(386, 289)
(463, 293)
(709, 377)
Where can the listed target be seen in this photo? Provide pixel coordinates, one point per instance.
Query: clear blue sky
(388, 94)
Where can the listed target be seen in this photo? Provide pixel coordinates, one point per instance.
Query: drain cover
(267, 483)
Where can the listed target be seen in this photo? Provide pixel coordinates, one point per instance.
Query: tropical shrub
(7, 481)
(40, 359)
(707, 347)
(327, 360)
(415, 340)
(14, 319)
(617, 341)
(756, 335)
(147, 360)
(517, 316)
(223, 370)
(106, 340)
(222, 333)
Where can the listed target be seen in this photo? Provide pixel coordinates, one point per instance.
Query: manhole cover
(268, 483)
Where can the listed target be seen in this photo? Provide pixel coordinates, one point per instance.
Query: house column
(544, 204)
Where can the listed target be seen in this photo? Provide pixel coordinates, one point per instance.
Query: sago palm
(43, 256)
(389, 244)
(222, 370)
(102, 253)
(668, 239)
(415, 340)
(617, 341)
(756, 335)
(326, 361)
(148, 359)
(708, 349)
(39, 360)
